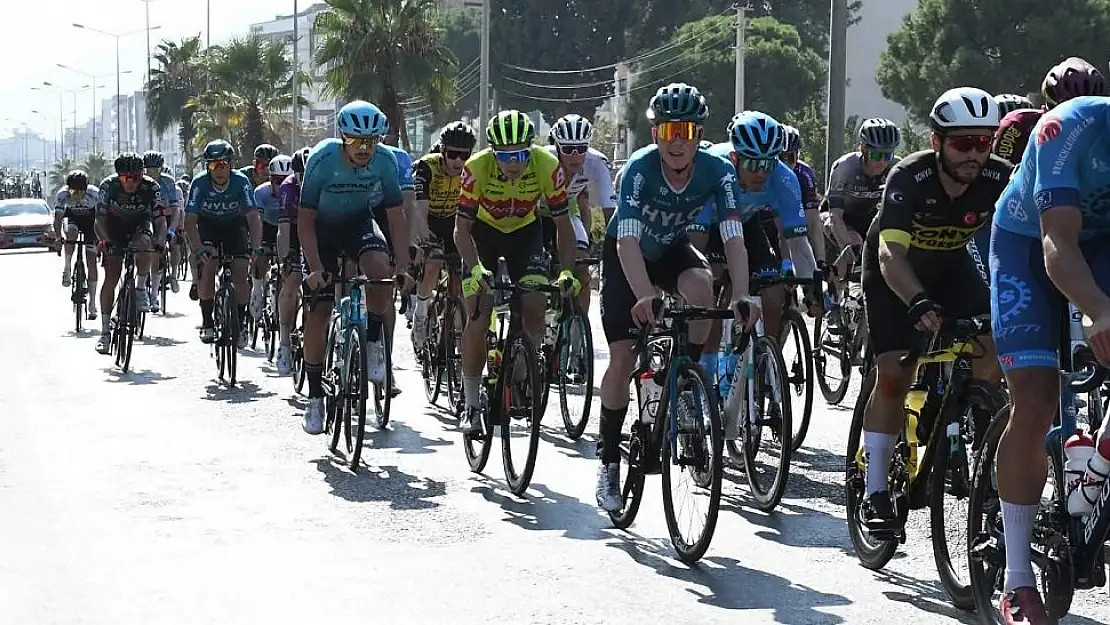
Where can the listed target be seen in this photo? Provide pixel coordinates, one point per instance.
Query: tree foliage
(177, 77)
(462, 36)
(988, 44)
(781, 75)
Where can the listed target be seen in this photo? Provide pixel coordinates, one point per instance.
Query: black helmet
(77, 180)
(300, 159)
(153, 158)
(218, 150)
(458, 135)
(129, 163)
(676, 102)
(265, 152)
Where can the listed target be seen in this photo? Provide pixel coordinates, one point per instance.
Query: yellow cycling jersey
(508, 205)
(431, 183)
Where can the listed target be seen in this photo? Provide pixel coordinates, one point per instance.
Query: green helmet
(678, 102)
(510, 128)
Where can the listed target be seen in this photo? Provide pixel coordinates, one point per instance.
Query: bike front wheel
(520, 415)
(574, 355)
(798, 361)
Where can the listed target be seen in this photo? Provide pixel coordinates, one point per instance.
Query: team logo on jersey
(1043, 200)
(1048, 128)
(971, 219)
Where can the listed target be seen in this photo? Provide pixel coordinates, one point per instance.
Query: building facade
(866, 42)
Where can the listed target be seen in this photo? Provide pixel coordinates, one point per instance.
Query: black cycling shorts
(269, 235)
(84, 225)
(382, 219)
(617, 298)
(761, 244)
(522, 250)
(443, 237)
(228, 234)
(122, 233)
(960, 292)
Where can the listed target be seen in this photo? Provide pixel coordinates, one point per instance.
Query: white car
(26, 223)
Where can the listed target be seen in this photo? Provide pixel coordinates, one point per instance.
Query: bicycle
(267, 325)
(440, 356)
(571, 358)
(164, 279)
(345, 379)
(946, 409)
(1068, 550)
(296, 350)
(79, 287)
(506, 401)
(837, 349)
(668, 433)
(126, 316)
(228, 325)
(799, 369)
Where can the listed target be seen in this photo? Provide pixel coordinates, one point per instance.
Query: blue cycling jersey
(781, 196)
(1067, 163)
(268, 202)
(234, 200)
(404, 167)
(650, 209)
(170, 190)
(339, 191)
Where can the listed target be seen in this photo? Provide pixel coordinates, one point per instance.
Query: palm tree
(97, 167)
(252, 83)
(386, 51)
(178, 77)
(59, 171)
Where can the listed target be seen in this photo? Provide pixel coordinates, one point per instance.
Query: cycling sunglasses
(758, 165)
(669, 131)
(456, 155)
(362, 143)
(880, 155)
(131, 177)
(214, 165)
(512, 156)
(969, 143)
(574, 148)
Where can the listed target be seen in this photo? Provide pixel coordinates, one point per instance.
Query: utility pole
(295, 140)
(741, 26)
(146, 84)
(483, 85)
(838, 34)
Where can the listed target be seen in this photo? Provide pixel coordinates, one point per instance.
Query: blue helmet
(218, 150)
(756, 135)
(361, 119)
(678, 102)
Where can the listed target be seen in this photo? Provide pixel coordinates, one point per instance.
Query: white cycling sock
(472, 390)
(878, 447)
(421, 309)
(1017, 524)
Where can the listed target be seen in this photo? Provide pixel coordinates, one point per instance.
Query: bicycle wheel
(296, 357)
(832, 362)
(950, 484)
(799, 371)
(331, 380)
(769, 429)
(231, 330)
(691, 459)
(635, 450)
(78, 292)
(255, 329)
(872, 552)
(383, 397)
(574, 357)
(984, 525)
(125, 336)
(352, 391)
(220, 324)
(476, 447)
(163, 286)
(431, 352)
(452, 352)
(520, 421)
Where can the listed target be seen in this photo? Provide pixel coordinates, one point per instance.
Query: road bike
(127, 319)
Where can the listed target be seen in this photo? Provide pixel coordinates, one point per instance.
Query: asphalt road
(162, 497)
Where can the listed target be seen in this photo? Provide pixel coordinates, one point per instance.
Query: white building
(320, 111)
(866, 42)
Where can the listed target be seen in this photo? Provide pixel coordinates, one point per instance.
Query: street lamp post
(117, 37)
(48, 123)
(61, 116)
(93, 78)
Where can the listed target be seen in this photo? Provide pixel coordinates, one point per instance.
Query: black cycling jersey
(146, 203)
(854, 192)
(918, 213)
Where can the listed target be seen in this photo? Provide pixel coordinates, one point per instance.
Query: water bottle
(726, 361)
(1082, 500)
(649, 396)
(787, 269)
(915, 401)
(1078, 452)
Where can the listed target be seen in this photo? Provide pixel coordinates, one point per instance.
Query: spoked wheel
(574, 356)
(764, 447)
(476, 447)
(798, 359)
(832, 360)
(636, 459)
(950, 490)
(332, 379)
(873, 552)
(431, 353)
(692, 463)
(352, 395)
(520, 397)
(383, 397)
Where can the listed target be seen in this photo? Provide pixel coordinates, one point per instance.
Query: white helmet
(571, 129)
(281, 165)
(964, 107)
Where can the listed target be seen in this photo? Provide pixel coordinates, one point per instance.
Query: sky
(39, 34)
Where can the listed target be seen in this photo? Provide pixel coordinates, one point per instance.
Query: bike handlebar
(957, 329)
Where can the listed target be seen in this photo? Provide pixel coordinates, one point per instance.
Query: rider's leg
(71, 233)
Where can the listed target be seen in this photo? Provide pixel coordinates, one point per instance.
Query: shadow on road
(545, 509)
(725, 583)
(243, 392)
(136, 376)
(403, 438)
(161, 341)
(85, 332)
(380, 484)
(790, 524)
(585, 447)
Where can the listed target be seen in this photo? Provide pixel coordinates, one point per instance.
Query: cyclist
(346, 181)
(258, 172)
(807, 180)
(916, 270)
(437, 178)
(268, 201)
(589, 183)
(408, 203)
(218, 216)
(76, 202)
(154, 165)
(1049, 244)
(663, 189)
(130, 210)
(501, 189)
(289, 250)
